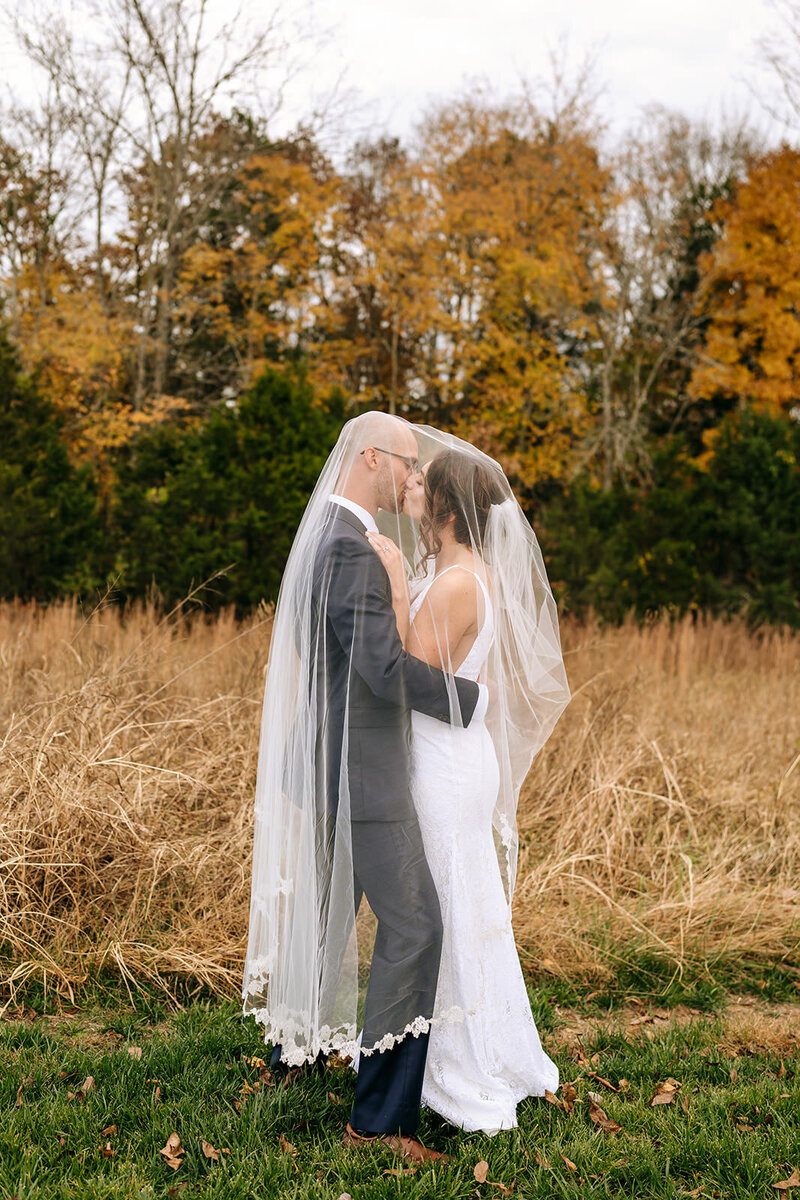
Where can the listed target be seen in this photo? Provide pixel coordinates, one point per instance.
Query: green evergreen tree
(49, 529)
(227, 493)
(722, 539)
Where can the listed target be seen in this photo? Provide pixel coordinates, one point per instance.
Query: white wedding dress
(479, 1067)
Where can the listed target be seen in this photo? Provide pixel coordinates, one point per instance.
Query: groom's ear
(370, 456)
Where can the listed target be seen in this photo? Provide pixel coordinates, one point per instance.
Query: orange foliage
(518, 197)
(257, 287)
(78, 356)
(381, 305)
(467, 281)
(752, 288)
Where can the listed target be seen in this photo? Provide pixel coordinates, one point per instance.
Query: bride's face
(414, 503)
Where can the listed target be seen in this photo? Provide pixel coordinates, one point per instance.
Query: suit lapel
(338, 512)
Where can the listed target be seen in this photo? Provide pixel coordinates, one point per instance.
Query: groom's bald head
(382, 429)
(378, 460)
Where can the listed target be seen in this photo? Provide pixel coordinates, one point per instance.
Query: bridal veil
(308, 951)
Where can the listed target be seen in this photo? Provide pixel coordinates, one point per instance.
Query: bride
(481, 1066)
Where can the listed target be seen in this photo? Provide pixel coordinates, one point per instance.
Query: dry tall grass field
(661, 822)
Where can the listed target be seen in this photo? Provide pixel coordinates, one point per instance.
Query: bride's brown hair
(460, 486)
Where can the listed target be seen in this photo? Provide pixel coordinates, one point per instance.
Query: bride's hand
(393, 560)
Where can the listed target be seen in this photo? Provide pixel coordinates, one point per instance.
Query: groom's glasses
(411, 463)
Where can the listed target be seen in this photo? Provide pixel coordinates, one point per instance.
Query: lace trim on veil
(283, 1027)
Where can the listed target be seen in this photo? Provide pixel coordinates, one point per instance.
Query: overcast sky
(687, 54)
(694, 55)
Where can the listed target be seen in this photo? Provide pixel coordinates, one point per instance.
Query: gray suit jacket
(359, 655)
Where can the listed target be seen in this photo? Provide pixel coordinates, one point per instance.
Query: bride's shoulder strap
(487, 599)
(469, 570)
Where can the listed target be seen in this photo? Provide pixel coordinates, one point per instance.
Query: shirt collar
(365, 517)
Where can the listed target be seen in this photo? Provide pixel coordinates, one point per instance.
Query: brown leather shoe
(406, 1147)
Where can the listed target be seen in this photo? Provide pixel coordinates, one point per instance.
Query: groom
(370, 683)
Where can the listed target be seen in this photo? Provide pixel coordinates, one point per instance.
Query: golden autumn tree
(752, 291)
(246, 291)
(66, 337)
(377, 301)
(516, 196)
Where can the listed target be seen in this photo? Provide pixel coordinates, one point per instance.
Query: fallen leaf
(285, 1146)
(734, 1074)
(665, 1092)
(781, 1070)
(135, 1051)
(83, 1091)
(643, 1020)
(211, 1151)
(569, 1163)
(566, 1101)
(178, 1188)
(336, 1099)
(685, 1104)
(505, 1190)
(599, 1118)
(19, 1096)
(172, 1151)
(624, 1086)
(106, 1151)
(109, 1130)
(157, 1096)
(255, 1061)
(792, 1182)
(398, 1172)
(481, 1170)
(345, 1196)
(541, 1161)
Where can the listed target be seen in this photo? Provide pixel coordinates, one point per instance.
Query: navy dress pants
(390, 869)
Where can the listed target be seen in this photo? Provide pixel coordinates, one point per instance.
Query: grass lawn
(730, 1128)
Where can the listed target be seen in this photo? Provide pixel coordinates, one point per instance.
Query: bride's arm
(394, 561)
(447, 615)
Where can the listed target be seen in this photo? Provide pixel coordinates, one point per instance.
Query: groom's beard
(392, 498)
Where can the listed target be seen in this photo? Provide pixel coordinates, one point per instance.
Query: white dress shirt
(365, 517)
(369, 521)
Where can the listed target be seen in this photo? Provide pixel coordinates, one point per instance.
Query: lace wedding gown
(478, 1068)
